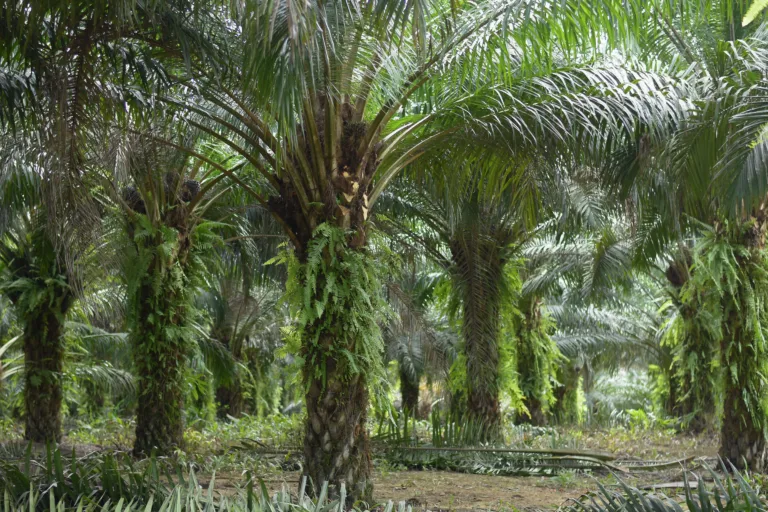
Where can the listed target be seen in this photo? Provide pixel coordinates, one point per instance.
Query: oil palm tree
(36, 283)
(239, 311)
(328, 103)
(711, 192)
(161, 201)
(416, 335)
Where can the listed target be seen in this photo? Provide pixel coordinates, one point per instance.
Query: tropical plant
(469, 227)
(36, 282)
(163, 238)
(707, 174)
(242, 319)
(416, 335)
(728, 493)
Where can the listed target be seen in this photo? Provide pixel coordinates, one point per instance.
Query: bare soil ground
(447, 491)
(438, 490)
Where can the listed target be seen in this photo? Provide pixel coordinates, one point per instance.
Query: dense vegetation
(433, 220)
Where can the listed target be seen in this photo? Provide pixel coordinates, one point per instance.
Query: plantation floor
(442, 490)
(456, 492)
(438, 490)
(447, 491)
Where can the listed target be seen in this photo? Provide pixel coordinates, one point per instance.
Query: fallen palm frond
(497, 461)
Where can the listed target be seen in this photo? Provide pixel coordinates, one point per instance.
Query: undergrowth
(115, 482)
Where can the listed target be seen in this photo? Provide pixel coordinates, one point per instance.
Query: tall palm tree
(470, 229)
(704, 176)
(38, 285)
(325, 102)
(161, 201)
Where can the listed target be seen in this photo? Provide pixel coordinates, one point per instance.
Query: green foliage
(538, 357)
(115, 483)
(754, 11)
(728, 493)
(731, 271)
(611, 396)
(33, 277)
(336, 296)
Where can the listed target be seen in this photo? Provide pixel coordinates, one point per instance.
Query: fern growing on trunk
(38, 287)
(538, 359)
(336, 292)
(731, 262)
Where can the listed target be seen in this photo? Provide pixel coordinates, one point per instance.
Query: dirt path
(447, 491)
(440, 490)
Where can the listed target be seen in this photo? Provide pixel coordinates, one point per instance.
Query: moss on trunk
(537, 358)
(160, 294)
(43, 365)
(566, 409)
(160, 352)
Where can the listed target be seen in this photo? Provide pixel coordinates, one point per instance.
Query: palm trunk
(672, 405)
(483, 374)
(536, 413)
(702, 394)
(742, 438)
(231, 401)
(567, 395)
(94, 399)
(479, 272)
(696, 382)
(533, 364)
(695, 398)
(43, 354)
(336, 444)
(342, 347)
(160, 315)
(741, 442)
(229, 395)
(409, 390)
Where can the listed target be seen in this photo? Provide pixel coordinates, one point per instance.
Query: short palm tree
(240, 312)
